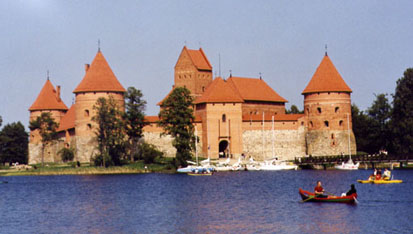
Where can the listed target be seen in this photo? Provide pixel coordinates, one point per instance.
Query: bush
(67, 154)
(98, 160)
(148, 153)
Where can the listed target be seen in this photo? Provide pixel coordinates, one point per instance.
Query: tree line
(387, 125)
(13, 143)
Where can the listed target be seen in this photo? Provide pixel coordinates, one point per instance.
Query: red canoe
(309, 197)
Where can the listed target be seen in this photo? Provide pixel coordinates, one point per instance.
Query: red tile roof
(219, 91)
(199, 59)
(252, 89)
(99, 77)
(68, 120)
(326, 79)
(48, 99)
(268, 117)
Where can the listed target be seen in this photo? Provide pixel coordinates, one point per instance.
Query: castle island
(233, 116)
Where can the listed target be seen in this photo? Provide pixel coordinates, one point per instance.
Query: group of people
(319, 191)
(377, 175)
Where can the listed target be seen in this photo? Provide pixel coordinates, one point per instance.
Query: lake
(232, 202)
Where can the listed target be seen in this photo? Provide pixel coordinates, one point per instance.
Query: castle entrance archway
(223, 149)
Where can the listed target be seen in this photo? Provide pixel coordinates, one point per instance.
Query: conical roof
(99, 77)
(326, 79)
(48, 99)
(219, 91)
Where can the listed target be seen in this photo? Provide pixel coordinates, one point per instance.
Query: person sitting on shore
(319, 190)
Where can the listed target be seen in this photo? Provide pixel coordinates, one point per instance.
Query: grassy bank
(163, 166)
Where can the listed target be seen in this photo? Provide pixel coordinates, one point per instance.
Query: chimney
(87, 67)
(58, 93)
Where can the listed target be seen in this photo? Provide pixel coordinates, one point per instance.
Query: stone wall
(86, 148)
(287, 143)
(322, 142)
(50, 152)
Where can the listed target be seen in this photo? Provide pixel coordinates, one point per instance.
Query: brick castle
(234, 116)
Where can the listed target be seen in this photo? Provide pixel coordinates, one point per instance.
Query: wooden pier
(371, 159)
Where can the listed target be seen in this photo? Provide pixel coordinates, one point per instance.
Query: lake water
(238, 202)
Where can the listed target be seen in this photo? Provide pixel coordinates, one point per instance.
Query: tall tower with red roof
(48, 100)
(99, 81)
(193, 71)
(327, 106)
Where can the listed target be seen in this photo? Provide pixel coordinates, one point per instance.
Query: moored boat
(310, 197)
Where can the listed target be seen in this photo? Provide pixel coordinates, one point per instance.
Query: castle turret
(99, 81)
(48, 100)
(193, 71)
(327, 106)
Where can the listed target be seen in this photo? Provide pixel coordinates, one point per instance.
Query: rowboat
(380, 181)
(310, 197)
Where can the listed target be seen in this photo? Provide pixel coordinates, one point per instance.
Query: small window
(340, 123)
(311, 124)
(86, 113)
(326, 123)
(336, 109)
(302, 123)
(203, 88)
(308, 110)
(319, 110)
(332, 136)
(224, 118)
(89, 126)
(275, 113)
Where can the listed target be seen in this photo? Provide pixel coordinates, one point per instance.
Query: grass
(160, 165)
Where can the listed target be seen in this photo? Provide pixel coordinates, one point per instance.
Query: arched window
(224, 118)
(336, 109)
(326, 123)
(332, 136)
(308, 110)
(86, 113)
(203, 88)
(89, 126)
(319, 110)
(340, 123)
(311, 124)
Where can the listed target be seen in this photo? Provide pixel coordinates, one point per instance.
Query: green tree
(110, 131)
(134, 117)
(380, 113)
(294, 110)
(361, 129)
(176, 118)
(402, 115)
(13, 143)
(1, 121)
(47, 129)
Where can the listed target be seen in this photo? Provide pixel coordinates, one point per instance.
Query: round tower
(327, 107)
(48, 100)
(99, 81)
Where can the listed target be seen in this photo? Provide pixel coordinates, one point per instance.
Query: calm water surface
(239, 202)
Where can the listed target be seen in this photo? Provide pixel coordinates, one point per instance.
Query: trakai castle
(234, 116)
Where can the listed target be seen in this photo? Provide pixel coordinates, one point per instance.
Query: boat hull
(309, 197)
(380, 181)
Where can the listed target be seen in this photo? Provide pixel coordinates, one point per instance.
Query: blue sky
(370, 43)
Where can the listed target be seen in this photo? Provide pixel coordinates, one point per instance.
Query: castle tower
(99, 81)
(327, 106)
(193, 71)
(48, 100)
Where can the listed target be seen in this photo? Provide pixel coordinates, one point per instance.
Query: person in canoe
(319, 190)
(378, 176)
(352, 190)
(386, 174)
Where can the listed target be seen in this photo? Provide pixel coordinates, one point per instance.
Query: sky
(369, 42)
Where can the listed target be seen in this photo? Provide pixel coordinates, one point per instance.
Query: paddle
(307, 199)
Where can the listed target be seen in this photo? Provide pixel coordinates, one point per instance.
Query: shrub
(148, 153)
(98, 160)
(67, 154)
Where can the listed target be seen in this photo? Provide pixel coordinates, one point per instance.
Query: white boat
(253, 165)
(277, 165)
(349, 165)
